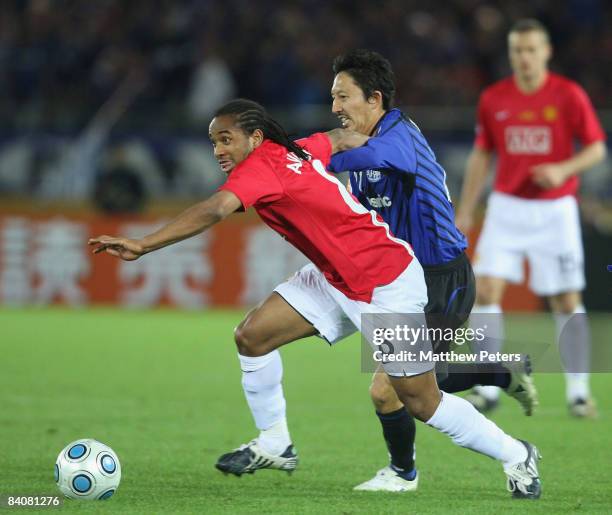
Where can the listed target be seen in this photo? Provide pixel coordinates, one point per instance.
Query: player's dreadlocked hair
(251, 115)
(370, 71)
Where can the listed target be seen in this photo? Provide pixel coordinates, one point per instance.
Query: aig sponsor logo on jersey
(528, 140)
(378, 202)
(373, 175)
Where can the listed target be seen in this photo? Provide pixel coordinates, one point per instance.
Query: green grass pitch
(163, 389)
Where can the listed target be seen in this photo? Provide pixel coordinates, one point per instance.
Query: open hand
(123, 248)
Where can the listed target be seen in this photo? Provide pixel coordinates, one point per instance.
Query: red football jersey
(529, 129)
(313, 211)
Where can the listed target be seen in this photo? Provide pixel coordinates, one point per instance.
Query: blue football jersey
(396, 174)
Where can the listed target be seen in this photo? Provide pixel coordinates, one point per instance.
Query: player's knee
(566, 303)
(566, 308)
(484, 296)
(247, 342)
(383, 396)
(487, 292)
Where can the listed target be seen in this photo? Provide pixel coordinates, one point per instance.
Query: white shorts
(335, 316)
(545, 232)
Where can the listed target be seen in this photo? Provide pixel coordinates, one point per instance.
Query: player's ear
(376, 99)
(256, 138)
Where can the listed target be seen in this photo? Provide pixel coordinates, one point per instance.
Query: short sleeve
(585, 124)
(253, 181)
(318, 145)
(484, 137)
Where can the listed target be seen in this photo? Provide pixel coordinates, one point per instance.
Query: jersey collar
(394, 115)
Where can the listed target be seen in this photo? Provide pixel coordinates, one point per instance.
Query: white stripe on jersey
(356, 206)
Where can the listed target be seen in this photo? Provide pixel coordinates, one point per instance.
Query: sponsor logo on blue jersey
(379, 202)
(373, 175)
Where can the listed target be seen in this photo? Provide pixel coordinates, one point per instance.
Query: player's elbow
(216, 214)
(478, 161)
(481, 155)
(600, 150)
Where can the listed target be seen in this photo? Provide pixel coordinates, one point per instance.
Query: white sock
(577, 386)
(492, 318)
(574, 339)
(468, 428)
(261, 381)
(276, 438)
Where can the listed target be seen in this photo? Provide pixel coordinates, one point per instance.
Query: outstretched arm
(345, 139)
(190, 222)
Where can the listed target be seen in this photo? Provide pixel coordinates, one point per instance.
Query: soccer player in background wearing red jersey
(357, 268)
(531, 120)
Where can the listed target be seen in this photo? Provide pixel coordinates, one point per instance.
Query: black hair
(251, 116)
(529, 25)
(370, 71)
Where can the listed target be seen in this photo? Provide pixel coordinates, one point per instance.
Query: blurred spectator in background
(212, 83)
(61, 60)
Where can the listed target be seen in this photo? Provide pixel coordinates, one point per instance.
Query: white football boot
(388, 480)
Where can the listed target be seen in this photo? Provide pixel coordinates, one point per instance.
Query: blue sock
(399, 431)
(409, 476)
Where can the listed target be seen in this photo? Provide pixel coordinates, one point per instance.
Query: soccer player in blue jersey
(396, 173)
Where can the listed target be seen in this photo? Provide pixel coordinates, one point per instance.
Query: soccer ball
(87, 469)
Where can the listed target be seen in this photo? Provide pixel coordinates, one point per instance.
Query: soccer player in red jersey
(531, 120)
(357, 268)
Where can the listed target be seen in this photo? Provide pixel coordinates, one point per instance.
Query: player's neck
(376, 120)
(529, 85)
